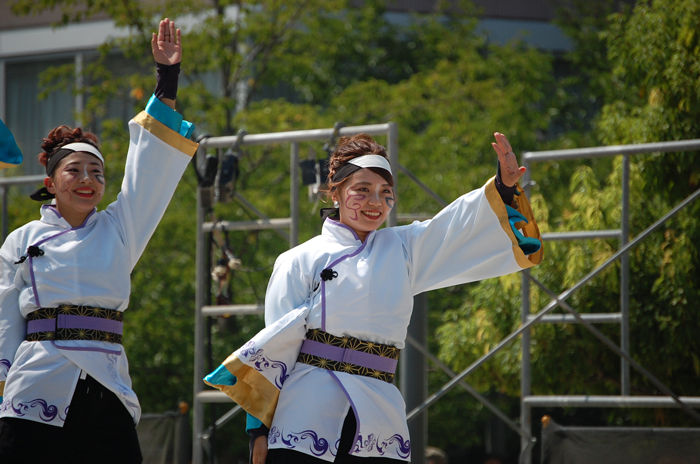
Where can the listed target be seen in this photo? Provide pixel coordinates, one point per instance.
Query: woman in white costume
(65, 283)
(319, 377)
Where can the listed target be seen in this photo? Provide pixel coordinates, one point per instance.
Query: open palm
(510, 171)
(166, 45)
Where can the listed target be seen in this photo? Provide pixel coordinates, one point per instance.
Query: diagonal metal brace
(553, 304)
(472, 391)
(610, 344)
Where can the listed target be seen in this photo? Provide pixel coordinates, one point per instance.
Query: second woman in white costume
(320, 375)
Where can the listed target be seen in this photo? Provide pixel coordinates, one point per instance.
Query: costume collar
(50, 215)
(341, 232)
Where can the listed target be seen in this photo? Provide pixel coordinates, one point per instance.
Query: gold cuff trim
(7, 165)
(252, 391)
(166, 134)
(2, 388)
(522, 205)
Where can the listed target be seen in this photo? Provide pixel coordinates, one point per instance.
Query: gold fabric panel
(2, 388)
(522, 205)
(252, 391)
(164, 133)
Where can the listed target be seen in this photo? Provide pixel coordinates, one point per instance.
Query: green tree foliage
(279, 65)
(655, 58)
(647, 87)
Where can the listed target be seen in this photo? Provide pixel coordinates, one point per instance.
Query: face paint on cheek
(100, 178)
(355, 207)
(67, 190)
(390, 201)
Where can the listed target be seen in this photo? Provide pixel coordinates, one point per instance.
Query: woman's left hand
(510, 172)
(166, 46)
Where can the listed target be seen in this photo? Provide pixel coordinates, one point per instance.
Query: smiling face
(78, 183)
(365, 199)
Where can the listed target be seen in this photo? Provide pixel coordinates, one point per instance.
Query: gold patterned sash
(385, 354)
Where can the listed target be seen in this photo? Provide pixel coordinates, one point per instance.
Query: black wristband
(261, 431)
(506, 192)
(166, 80)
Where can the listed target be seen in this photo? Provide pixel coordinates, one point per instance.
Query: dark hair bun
(63, 135)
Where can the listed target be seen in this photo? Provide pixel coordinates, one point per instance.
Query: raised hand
(166, 46)
(510, 172)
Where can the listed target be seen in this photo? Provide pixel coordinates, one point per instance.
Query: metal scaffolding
(624, 400)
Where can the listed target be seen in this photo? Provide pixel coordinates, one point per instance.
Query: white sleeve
(156, 160)
(287, 289)
(468, 240)
(13, 326)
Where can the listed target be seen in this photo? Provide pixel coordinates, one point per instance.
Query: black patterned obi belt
(349, 354)
(71, 322)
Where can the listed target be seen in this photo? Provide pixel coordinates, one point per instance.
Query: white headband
(86, 147)
(372, 161)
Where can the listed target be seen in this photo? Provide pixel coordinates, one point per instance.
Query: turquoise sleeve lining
(252, 423)
(221, 376)
(169, 117)
(529, 245)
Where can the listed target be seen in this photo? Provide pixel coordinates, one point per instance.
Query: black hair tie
(328, 274)
(42, 195)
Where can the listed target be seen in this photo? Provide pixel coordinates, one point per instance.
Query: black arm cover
(166, 85)
(505, 192)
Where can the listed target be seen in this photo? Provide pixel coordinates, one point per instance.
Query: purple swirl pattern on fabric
(47, 414)
(248, 349)
(318, 446)
(273, 435)
(369, 443)
(261, 363)
(403, 446)
(5, 365)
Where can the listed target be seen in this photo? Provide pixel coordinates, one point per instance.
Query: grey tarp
(619, 445)
(165, 438)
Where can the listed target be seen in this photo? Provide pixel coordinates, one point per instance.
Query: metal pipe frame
(299, 136)
(472, 391)
(259, 213)
(549, 307)
(603, 401)
(582, 235)
(21, 180)
(612, 318)
(612, 150)
(622, 234)
(525, 363)
(5, 184)
(620, 352)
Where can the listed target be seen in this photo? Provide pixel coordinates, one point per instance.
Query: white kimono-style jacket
(87, 265)
(371, 299)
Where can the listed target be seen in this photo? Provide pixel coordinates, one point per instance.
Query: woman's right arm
(12, 324)
(159, 151)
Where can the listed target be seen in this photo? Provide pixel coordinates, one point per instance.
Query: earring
(336, 205)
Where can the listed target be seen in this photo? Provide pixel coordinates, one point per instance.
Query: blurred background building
(30, 45)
